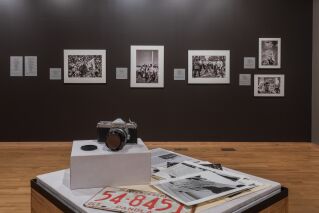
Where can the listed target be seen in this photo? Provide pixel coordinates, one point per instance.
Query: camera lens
(116, 139)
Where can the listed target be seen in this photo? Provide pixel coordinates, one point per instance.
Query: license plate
(135, 201)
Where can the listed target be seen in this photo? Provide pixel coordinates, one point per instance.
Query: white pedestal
(101, 167)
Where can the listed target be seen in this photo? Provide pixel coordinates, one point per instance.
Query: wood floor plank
(295, 165)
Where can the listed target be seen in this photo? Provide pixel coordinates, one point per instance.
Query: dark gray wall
(315, 73)
(34, 108)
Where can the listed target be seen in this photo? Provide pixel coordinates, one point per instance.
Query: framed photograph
(269, 53)
(208, 66)
(269, 86)
(84, 66)
(147, 66)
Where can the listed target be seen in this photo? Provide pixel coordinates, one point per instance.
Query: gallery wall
(315, 73)
(35, 108)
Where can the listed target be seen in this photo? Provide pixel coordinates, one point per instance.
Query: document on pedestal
(121, 73)
(194, 184)
(179, 74)
(244, 79)
(55, 74)
(249, 63)
(16, 66)
(162, 159)
(31, 65)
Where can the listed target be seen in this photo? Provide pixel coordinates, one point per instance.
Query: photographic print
(188, 168)
(269, 53)
(84, 66)
(147, 66)
(208, 66)
(178, 170)
(269, 85)
(201, 187)
(162, 158)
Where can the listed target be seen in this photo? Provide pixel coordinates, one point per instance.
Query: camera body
(116, 134)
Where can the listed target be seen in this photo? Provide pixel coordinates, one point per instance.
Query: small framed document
(244, 79)
(16, 66)
(249, 63)
(179, 74)
(55, 73)
(121, 73)
(31, 65)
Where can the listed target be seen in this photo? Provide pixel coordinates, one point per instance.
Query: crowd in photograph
(209, 66)
(269, 86)
(84, 66)
(147, 73)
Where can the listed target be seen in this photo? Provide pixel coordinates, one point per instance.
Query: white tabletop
(58, 184)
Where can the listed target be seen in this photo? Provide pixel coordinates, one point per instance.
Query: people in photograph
(147, 73)
(277, 86)
(270, 49)
(277, 89)
(209, 67)
(269, 58)
(83, 69)
(197, 188)
(85, 66)
(269, 86)
(196, 69)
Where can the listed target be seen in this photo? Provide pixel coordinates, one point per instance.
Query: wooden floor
(295, 165)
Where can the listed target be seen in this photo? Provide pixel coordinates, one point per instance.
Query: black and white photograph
(189, 168)
(201, 187)
(269, 53)
(162, 158)
(147, 66)
(84, 66)
(208, 66)
(269, 85)
(178, 170)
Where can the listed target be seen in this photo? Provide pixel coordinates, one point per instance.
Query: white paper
(55, 74)
(249, 63)
(177, 170)
(16, 66)
(202, 184)
(121, 73)
(244, 79)
(179, 74)
(162, 157)
(31, 65)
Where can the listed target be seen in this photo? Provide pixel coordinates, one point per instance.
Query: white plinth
(101, 167)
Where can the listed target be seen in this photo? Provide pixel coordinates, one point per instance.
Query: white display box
(101, 167)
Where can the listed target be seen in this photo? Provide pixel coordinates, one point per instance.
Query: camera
(116, 134)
